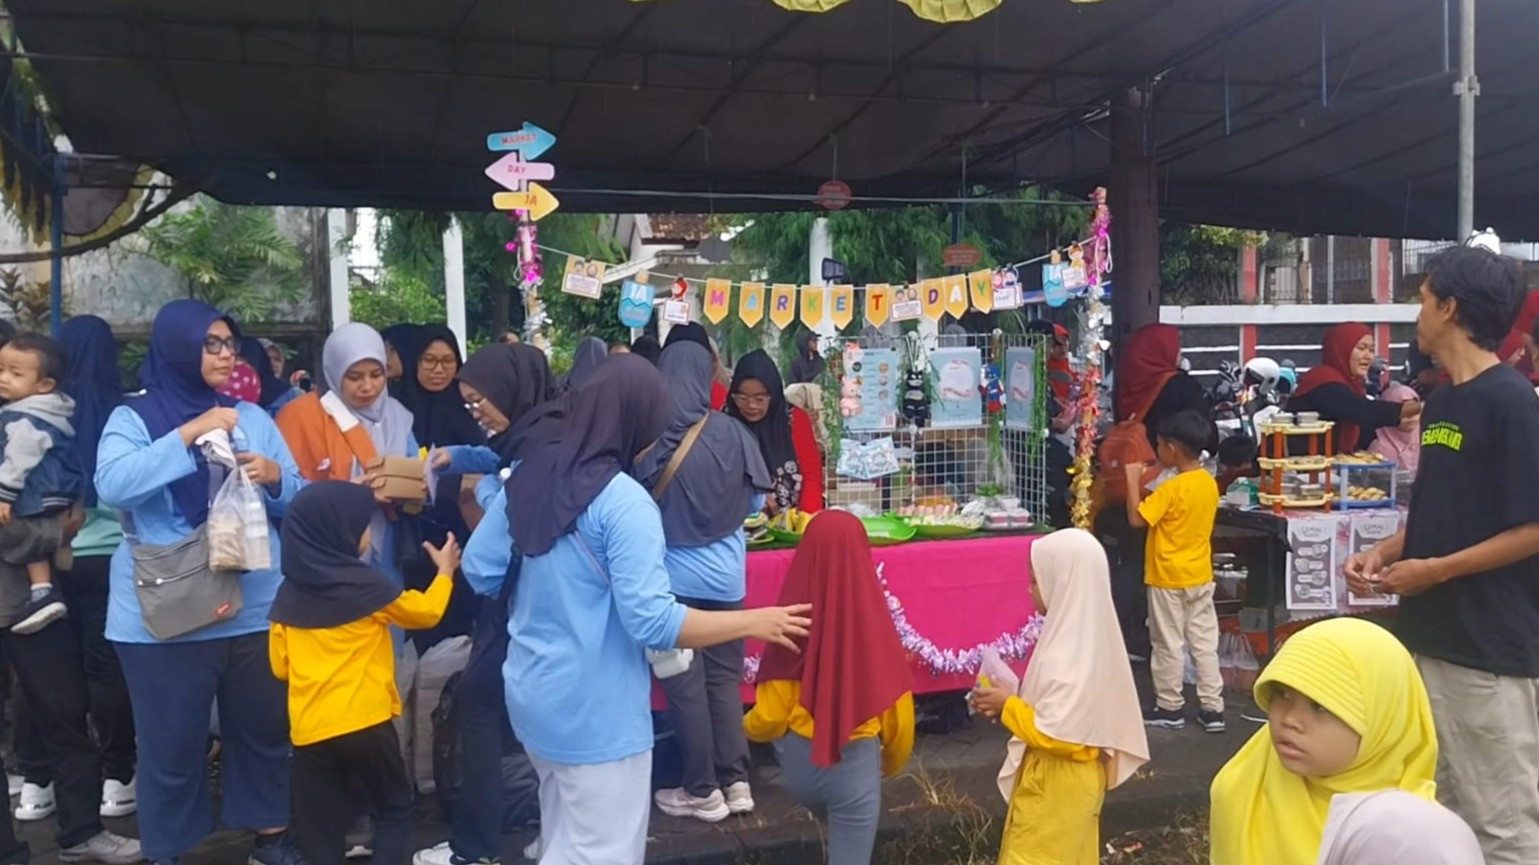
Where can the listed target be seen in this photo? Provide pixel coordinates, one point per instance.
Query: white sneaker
(438, 854)
(15, 782)
(536, 849)
(35, 803)
(119, 799)
(739, 798)
(106, 848)
(678, 803)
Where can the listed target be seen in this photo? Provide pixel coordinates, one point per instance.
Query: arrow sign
(513, 172)
(537, 201)
(531, 141)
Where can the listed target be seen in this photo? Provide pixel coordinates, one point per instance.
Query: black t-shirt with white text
(1478, 477)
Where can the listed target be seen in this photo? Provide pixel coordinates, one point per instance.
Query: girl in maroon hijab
(1338, 389)
(841, 712)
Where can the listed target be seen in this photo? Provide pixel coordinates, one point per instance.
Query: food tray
(1293, 503)
(1296, 464)
(1294, 429)
(887, 531)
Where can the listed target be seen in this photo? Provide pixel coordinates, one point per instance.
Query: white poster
(955, 376)
(1020, 387)
(1311, 566)
(1368, 529)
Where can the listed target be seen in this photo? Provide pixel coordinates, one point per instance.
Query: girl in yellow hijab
(1347, 713)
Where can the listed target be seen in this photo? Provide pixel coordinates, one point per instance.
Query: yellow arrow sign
(538, 201)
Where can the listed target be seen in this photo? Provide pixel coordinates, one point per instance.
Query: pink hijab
(1394, 443)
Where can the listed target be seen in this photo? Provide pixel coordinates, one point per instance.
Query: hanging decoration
(1092, 327)
(782, 305)
(812, 305)
(636, 301)
(750, 303)
(718, 294)
(530, 274)
(676, 308)
(841, 305)
(878, 304)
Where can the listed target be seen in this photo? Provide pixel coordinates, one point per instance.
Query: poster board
(1312, 568)
(1020, 387)
(878, 380)
(1369, 528)
(957, 401)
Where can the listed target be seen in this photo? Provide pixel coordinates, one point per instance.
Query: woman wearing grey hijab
(707, 475)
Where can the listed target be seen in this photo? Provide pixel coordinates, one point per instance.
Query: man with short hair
(1466, 565)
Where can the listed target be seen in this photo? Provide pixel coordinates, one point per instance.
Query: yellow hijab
(1265, 815)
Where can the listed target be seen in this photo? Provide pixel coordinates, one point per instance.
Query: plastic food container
(1307, 418)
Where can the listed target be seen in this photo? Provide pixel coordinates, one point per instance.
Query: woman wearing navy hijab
(149, 467)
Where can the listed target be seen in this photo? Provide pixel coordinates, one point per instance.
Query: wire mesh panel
(934, 422)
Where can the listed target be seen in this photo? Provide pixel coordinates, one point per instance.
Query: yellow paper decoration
(949, 11)
(812, 305)
(750, 303)
(982, 284)
(878, 304)
(841, 305)
(810, 5)
(782, 305)
(718, 297)
(956, 295)
(932, 294)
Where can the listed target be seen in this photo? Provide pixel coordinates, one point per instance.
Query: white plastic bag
(237, 526)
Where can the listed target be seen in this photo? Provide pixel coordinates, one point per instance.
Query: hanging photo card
(1020, 387)
(877, 381)
(583, 278)
(955, 374)
(1368, 530)
(676, 312)
(1007, 289)
(906, 305)
(1311, 564)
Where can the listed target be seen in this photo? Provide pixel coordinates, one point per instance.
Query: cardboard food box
(399, 479)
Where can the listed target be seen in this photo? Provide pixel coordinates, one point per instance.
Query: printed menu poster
(955, 374)
(878, 380)
(1367, 531)
(1311, 567)
(1020, 387)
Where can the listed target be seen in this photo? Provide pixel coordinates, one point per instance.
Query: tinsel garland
(1011, 645)
(530, 274)
(1092, 327)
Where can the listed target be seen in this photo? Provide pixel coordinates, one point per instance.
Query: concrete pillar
(336, 234)
(454, 279)
(1250, 275)
(1135, 219)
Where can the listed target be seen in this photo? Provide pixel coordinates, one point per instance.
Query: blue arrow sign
(531, 141)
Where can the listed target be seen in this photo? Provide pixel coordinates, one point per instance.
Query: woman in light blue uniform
(149, 468)
(592, 592)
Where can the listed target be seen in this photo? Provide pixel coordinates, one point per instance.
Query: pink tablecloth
(952, 599)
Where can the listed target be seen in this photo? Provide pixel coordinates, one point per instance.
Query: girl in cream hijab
(1347, 713)
(1078, 729)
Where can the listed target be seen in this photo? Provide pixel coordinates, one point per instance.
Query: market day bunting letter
(813, 297)
(750, 303)
(932, 294)
(841, 303)
(878, 304)
(956, 295)
(982, 284)
(718, 295)
(782, 305)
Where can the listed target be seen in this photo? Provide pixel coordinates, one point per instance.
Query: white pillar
(454, 279)
(820, 245)
(336, 237)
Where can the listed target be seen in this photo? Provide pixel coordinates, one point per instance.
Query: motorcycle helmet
(1263, 372)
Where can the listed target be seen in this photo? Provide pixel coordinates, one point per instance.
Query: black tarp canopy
(1305, 115)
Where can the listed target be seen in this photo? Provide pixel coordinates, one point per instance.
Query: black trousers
(1125, 553)
(339, 779)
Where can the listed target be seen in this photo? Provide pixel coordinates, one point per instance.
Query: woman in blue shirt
(150, 469)
(707, 474)
(591, 593)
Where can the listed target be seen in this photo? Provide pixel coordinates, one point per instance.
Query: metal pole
(1467, 88)
(56, 247)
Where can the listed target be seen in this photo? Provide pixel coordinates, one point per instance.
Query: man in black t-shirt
(1466, 565)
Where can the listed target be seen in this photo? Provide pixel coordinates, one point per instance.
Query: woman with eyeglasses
(785, 434)
(151, 469)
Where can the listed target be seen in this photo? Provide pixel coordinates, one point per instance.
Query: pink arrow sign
(513, 172)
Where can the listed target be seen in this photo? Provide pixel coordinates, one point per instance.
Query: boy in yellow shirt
(331, 642)
(1178, 569)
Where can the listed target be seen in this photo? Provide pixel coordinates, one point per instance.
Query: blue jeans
(173, 687)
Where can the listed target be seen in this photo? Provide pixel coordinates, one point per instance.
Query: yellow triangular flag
(982, 284)
(718, 296)
(841, 305)
(932, 294)
(956, 295)
(813, 297)
(782, 305)
(878, 301)
(750, 303)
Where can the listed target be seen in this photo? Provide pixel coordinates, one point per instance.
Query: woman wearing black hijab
(809, 365)
(719, 479)
(694, 332)
(430, 365)
(648, 347)
(785, 434)
(276, 393)
(585, 361)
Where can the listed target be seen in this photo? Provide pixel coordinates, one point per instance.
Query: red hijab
(1152, 357)
(1336, 368)
(853, 667)
(1514, 343)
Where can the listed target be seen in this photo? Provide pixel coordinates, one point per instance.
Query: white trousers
(595, 815)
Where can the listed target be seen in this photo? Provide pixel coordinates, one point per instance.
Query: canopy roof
(1303, 115)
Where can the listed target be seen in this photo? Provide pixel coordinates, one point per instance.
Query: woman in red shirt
(784, 433)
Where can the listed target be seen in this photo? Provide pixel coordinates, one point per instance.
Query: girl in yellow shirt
(841, 712)
(331, 642)
(1076, 724)
(1346, 713)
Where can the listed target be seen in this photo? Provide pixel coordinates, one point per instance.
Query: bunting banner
(813, 300)
(932, 294)
(782, 305)
(878, 304)
(750, 303)
(981, 282)
(956, 295)
(841, 305)
(718, 297)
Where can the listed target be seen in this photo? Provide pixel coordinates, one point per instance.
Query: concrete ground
(945, 808)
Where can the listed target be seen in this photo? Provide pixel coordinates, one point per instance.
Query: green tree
(234, 258)
(400, 296)
(1201, 263)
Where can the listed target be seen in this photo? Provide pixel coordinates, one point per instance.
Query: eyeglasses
(437, 362)
(756, 400)
(476, 405)
(215, 345)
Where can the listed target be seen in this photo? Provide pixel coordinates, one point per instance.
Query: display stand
(1316, 464)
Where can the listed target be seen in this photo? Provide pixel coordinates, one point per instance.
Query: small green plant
(234, 258)
(399, 297)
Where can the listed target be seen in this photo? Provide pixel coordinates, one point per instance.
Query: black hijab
(591, 352)
(712, 490)
(578, 444)
(773, 431)
(514, 379)
(648, 347)
(808, 364)
(692, 332)
(438, 419)
(256, 357)
(325, 583)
